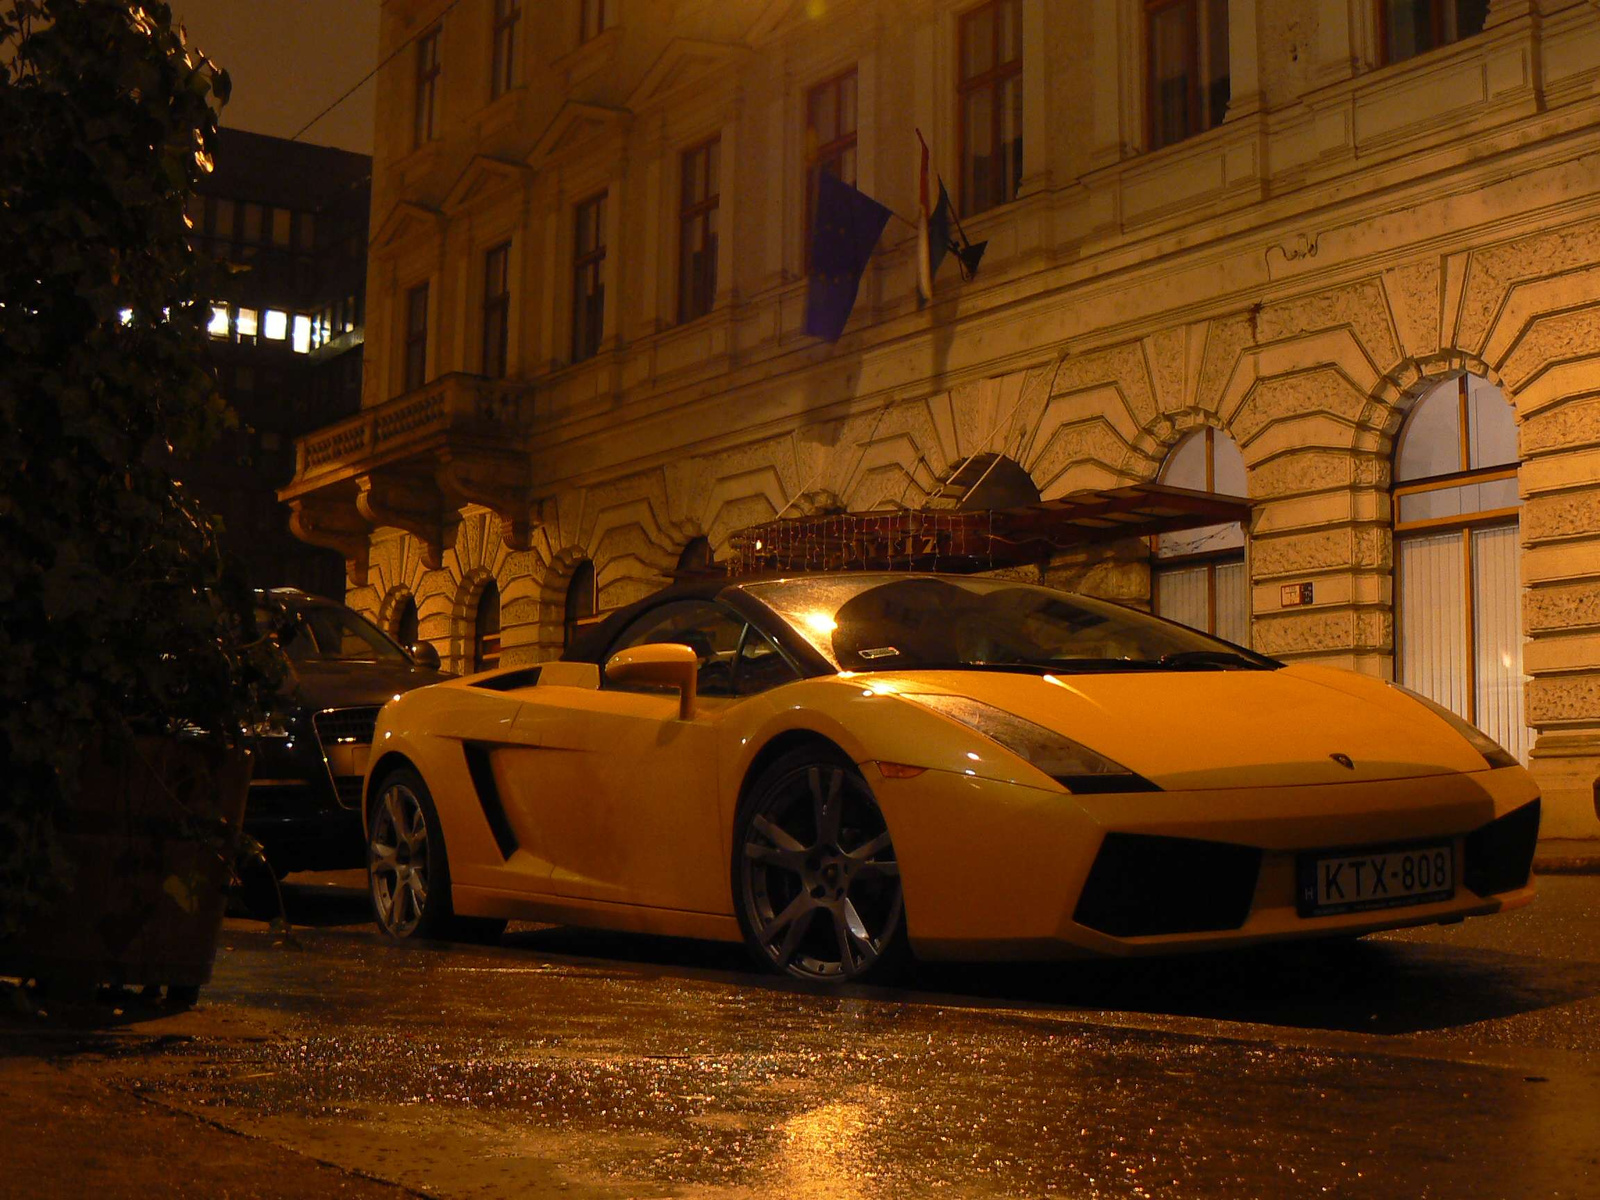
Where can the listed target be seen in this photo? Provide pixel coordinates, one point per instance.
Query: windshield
(318, 634)
(908, 622)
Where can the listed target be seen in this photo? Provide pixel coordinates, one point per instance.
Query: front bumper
(1001, 870)
(305, 798)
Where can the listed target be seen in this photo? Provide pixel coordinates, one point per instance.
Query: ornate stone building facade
(1294, 223)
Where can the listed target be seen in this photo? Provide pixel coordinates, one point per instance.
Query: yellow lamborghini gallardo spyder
(838, 769)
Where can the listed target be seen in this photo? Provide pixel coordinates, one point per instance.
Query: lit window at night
(248, 324)
(302, 334)
(125, 316)
(217, 327)
(276, 326)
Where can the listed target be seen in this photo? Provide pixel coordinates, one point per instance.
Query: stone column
(1560, 483)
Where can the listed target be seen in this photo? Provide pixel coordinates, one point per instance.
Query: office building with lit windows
(1338, 258)
(289, 220)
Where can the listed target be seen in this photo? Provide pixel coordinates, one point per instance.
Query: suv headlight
(1493, 752)
(272, 725)
(1069, 763)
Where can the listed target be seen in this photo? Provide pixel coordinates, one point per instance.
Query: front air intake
(1499, 855)
(1142, 885)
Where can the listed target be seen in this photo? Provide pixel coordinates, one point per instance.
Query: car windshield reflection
(329, 634)
(911, 622)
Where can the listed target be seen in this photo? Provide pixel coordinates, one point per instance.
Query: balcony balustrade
(412, 463)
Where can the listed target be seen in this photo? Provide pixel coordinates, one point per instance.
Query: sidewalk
(67, 1135)
(1567, 856)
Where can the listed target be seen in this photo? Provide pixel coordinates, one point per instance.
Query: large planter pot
(150, 840)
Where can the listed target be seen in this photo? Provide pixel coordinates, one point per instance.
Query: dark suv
(311, 752)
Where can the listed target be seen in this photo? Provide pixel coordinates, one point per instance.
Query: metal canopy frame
(981, 540)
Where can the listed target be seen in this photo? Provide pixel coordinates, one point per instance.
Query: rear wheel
(408, 871)
(815, 880)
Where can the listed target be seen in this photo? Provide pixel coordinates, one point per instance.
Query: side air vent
(510, 681)
(482, 772)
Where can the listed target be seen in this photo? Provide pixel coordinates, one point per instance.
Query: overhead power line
(367, 78)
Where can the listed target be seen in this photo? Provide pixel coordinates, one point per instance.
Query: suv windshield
(329, 634)
(908, 622)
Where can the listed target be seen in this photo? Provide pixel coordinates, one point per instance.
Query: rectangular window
(496, 309)
(594, 16)
(252, 222)
(305, 227)
(1408, 28)
(503, 65)
(588, 278)
(697, 230)
(427, 97)
(830, 139)
(990, 91)
(1186, 64)
(222, 216)
(416, 344)
(281, 218)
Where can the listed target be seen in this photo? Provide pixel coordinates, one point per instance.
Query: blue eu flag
(843, 233)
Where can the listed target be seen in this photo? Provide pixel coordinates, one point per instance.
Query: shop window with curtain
(990, 97)
(581, 603)
(1186, 68)
(1407, 28)
(1458, 628)
(405, 625)
(486, 629)
(1198, 576)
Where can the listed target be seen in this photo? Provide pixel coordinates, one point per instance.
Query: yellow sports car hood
(1191, 730)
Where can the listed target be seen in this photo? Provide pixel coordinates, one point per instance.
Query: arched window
(580, 602)
(696, 559)
(1198, 576)
(486, 629)
(1458, 629)
(405, 623)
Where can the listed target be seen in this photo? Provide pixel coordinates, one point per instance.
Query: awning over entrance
(412, 463)
(954, 540)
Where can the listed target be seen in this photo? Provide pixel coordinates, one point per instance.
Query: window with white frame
(1407, 28)
(1186, 68)
(1198, 576)
(503, 47)
(1458, 628)
(990, 97)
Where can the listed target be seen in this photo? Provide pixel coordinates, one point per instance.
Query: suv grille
(345, 725)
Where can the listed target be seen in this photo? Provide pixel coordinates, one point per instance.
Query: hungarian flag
(846, 227)
(934, 240)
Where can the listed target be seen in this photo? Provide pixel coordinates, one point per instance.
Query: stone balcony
(412, 463)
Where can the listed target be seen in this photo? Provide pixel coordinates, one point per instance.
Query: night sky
(289, 59)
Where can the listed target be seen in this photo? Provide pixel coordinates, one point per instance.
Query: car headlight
(1492, 751)
(1069, 763)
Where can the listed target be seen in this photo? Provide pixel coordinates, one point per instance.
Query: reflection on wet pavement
(519, 1070)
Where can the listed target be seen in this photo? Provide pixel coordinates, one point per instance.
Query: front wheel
(816, 883)
(408, 872)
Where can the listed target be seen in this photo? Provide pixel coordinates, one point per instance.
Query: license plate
(1375, 877)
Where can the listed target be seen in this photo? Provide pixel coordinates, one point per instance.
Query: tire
(408, 869)
(815, 882)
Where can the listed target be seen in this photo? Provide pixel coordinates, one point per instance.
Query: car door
(627, 798)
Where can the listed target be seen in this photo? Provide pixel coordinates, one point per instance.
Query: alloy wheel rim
(820, 881)
(397, 856)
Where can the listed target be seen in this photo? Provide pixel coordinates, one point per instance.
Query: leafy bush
(116, 613)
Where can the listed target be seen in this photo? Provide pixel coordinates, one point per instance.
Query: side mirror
(424, 655)
(659, 664)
